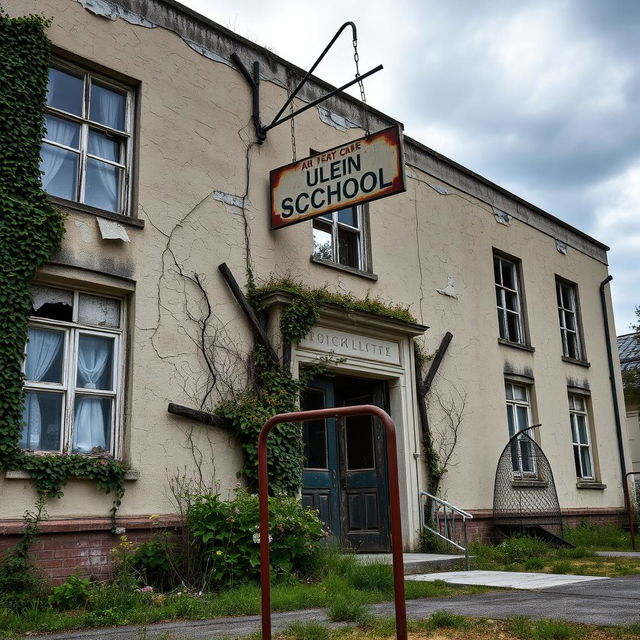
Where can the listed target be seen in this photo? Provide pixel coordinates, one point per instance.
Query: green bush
(562, 566)
(71, 594)
(151, 561)
(446, 619)
(228, 538)
(310, 630)
(592, 536)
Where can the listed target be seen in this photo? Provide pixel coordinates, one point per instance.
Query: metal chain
(363, 97)
(293, 129)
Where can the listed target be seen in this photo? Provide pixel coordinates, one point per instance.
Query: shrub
(228, 538)
(534, 564)
(71, 594)
(442, 619)
(562, 566)
(520, 549)
(151, 561)
(592, 536)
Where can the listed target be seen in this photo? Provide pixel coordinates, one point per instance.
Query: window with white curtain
(72, 372)
(85, 154)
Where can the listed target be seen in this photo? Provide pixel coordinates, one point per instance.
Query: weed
(591, 536)
(71, 594)
(310, 630)
(562, 566)
(346, 609)
(520, 627)
(371, 576)
(554, 630)
(534, 564)
(446, 619)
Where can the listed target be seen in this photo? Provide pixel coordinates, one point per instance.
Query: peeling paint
(112, 11)
(85, 232)
(207, 53)
(441, 190)
(228, 198)
(449, 290)
(110, 230)
(334, 120)
(501, 216)
(562, 247)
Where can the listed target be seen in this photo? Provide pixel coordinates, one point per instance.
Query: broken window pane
(55, 304)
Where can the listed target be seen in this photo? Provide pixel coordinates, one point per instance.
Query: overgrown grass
(340, 582)
(604, 538)
(521, 553)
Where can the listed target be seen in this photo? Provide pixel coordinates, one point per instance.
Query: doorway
(345, 469)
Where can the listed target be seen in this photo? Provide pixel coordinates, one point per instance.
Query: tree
(631, 377)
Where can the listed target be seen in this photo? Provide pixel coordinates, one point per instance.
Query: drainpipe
(612, 377)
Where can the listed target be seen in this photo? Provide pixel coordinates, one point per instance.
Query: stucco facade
(431, 248)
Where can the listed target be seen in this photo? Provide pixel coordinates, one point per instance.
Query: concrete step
(416, 563)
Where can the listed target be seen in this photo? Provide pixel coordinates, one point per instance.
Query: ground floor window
(518, 419)
(580, 437)
(72, 372)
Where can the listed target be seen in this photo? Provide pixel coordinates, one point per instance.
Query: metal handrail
(449, 523)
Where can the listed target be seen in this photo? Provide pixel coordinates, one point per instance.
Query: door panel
(345, 474)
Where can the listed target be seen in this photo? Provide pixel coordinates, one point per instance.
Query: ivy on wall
(275, 390)
(31, 230)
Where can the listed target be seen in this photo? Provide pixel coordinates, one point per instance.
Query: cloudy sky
(540, 96)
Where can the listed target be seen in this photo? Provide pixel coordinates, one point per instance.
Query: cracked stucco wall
(431, 248)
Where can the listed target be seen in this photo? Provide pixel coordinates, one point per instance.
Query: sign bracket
(253, 79)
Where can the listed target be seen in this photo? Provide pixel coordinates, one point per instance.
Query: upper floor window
(567, 295)
(72, 372)
(518, 419)
(340, 237)
(509, 299)
(580, 437)
(85, 155)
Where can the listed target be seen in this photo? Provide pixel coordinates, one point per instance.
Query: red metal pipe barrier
(627, 499)
(394, 503)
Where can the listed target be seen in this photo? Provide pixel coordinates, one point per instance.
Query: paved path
(504, 579)
(609, 601)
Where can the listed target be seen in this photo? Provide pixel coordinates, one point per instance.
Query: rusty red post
(394, 504)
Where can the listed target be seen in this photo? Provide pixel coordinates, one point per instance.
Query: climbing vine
(275, 390)
(31, 231)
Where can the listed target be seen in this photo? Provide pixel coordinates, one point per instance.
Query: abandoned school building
(151, 154)
(629, 353)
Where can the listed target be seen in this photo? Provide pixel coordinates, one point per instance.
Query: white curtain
(106, 107)
(51, 157)
(90, 428)
(42, 350)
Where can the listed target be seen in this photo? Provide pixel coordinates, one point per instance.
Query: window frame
(501, 307)
(577, 446)
(512, 403)
(126, 137)
(69, 390)
(577, 316)
(333, 227)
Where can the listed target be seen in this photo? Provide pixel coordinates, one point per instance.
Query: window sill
(101, 213)
(580, 363)
(591, 484)
(516, 345)
(342, 267)
(20, 474)
(529, 484)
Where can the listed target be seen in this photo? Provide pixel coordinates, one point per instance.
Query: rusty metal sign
(357, 172)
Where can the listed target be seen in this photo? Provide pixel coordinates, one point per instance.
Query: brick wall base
(83, 546)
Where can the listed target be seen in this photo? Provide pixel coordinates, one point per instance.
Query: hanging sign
(360, 171)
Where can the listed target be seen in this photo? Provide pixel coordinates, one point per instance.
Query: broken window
(509, 299)
(72, 372)
(567, 295)
(339, 237)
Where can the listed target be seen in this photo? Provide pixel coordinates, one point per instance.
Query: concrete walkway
(415, 562)
(505, 579)
(608, 601)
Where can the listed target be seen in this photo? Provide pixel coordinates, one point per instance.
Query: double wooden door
(345, 471)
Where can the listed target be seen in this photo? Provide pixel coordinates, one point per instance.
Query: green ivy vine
(275, 390)
(31, 231)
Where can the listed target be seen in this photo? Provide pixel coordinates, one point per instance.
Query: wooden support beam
(194, 414)
(435, 365)
(259, 332)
